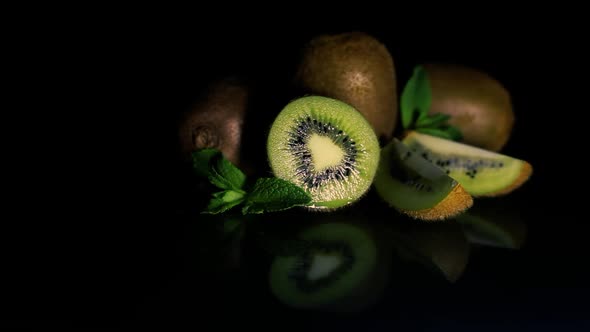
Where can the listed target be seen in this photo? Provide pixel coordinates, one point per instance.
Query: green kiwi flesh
(326, 147)
(337, 265)
(480, 172)
(414, 186)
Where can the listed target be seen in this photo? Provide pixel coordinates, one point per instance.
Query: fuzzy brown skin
(477, 103)
(456, 202)
(357, 69)
(216, 121)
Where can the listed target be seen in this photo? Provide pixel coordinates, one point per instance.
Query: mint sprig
(266, 195)
(223, 174)
(416, 97)
(416, 100)
(225, 200)
(274, 194)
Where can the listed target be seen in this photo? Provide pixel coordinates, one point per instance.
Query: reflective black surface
(136, 252)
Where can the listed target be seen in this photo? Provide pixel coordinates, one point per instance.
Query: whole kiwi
(479, 105)
(357, 69)
(216, 120)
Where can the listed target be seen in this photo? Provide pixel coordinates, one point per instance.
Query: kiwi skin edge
(357, 69)
(456, 202)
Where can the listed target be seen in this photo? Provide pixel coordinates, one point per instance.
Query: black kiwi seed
(297, 145)
(470, 166)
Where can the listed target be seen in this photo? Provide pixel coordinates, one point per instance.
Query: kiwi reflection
(344, 262)
(440, 247)
(490, 223)
(343, 266)
(219, 242)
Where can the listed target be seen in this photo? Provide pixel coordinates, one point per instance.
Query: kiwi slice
(326, 147)
(417, 188)
(480, 172)
(340, 270)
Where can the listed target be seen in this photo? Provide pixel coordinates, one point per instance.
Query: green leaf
(224, 200)
(201, 159)
(448, 132)
(455, 133)
(432, 120)
(274, 194)
(224, 174)
(416, 97)
(435, 132)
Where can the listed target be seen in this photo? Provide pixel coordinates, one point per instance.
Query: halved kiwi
(341, 270)
(417, 188)
(480, 172)
(326, 147)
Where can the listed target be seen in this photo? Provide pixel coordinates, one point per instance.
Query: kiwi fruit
(216, 120)
(343, 268)
(356, 68)
(479, 105)
(326, 147)
(440, 247)
(417, 188)
(479, 171)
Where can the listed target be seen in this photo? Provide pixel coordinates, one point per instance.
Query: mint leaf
(454, 132)
(201, 159)
(435, 132)
(224, 200)
(432, 120)
(224, 174)
(274, 194)
(416, 97)
(447, 132)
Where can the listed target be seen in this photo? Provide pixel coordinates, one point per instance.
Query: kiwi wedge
(342, 269)
(417, 188)
(326, 147)
(358, 69)
(480, 172)
(479, 105)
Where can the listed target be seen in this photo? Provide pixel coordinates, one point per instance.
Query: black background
(116, 256)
